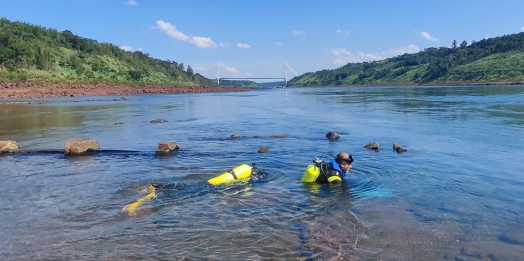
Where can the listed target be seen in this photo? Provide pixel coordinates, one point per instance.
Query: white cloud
(228, 68)
(203, 42)
(243, 45)
(126, 48)
(173, 32)
(402, 50)
(299, 33)
(345, 33)
(198, 68)
(278, 43)
(132, 2)
(428, 37)
(343, 56)
(224, 45)
(522, 29)
(249, 74)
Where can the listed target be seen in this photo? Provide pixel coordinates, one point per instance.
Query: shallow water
(456, 194)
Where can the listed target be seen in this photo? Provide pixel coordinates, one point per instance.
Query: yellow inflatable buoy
(130, 208)
(239, 173)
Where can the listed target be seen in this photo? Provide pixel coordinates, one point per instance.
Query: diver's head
(344, 160)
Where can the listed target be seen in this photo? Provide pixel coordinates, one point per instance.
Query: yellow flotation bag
(130, 208)
(239, 173)
(310, 174)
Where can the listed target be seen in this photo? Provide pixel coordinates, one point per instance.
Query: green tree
(43, 58)
(454, 44)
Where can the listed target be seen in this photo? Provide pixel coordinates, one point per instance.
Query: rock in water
(398, 149)
(372, 146)
(80, 147)
(332, 135)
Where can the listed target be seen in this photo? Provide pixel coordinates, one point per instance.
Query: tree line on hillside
(34, 52)
(499, 59)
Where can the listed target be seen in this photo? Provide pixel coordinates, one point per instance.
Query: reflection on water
(23, 118)
(456, 194)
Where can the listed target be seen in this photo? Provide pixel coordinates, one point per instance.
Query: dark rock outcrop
(332, 135)
(372, 146)
(398, 149)
(166, 147)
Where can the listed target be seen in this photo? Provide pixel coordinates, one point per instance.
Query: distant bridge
(256, 78)
(251, 78)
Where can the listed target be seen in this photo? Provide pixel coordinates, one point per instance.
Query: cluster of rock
(82, 147)
(374, 146)
(263, 149)
(333, 136)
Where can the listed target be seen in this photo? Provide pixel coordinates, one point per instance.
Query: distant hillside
(34, 53)
(494, 60)
(272, 84)
(238, 83)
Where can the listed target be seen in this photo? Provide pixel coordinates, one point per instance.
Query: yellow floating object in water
(241, 172)
(310, 174)
(130, 208)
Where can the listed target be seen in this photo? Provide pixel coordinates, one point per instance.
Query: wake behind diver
(242, 173)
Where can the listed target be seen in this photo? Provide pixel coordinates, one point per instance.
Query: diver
(242, 174)
(332, 172)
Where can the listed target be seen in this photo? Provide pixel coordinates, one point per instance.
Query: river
(455, 194)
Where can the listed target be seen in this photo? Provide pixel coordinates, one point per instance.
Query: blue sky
(262, 38)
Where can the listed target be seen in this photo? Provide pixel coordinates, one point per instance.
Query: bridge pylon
(218, 76)
(285, 78)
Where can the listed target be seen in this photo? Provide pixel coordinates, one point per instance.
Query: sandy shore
(29, 90)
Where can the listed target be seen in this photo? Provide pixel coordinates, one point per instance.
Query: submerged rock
(158, 121)
(263, 149)
(512, 238)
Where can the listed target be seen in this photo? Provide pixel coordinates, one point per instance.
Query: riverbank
(9, 90)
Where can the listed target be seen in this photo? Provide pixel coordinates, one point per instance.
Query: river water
(456, 194)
